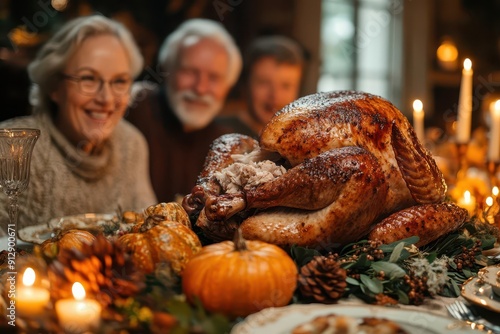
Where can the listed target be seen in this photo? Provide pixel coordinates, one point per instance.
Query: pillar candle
(465, 104)
(494, 143)
(468, 202)
(418, 120)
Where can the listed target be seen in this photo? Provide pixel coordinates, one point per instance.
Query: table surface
(435, 305)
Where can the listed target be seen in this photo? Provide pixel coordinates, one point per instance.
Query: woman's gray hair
(201, 28)
(44, 71)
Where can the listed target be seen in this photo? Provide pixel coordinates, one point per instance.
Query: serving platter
(480, 293)
(92, 222)
(283, 320)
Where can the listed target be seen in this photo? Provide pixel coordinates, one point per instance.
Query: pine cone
(322, 279)
(102, 268)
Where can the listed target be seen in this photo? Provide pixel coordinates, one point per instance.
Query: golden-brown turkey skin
(219, 156)
(325, 121)
(429, 222)
(339, 194)
(355, 159)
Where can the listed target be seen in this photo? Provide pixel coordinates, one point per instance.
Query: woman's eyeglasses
(91, 84)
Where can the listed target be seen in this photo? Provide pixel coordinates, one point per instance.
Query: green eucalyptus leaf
(391, 270)
(467, 273)
(302, 255)
(364, 289)
(363, 261)
(405, 254)
(351, 281)
(488, 242)
(396, 252)
(431, 257)
(403, 297)
(456, 288)
(373, 284)
(390, 247)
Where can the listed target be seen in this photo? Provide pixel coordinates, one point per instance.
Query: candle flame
(489, 201)
(29, 277)
(495, 191)
(497, 107)
(417, 105)
(467, 197)
(467, 64)
(78, 291)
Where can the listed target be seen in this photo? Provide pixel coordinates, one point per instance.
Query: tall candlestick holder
(461, 149)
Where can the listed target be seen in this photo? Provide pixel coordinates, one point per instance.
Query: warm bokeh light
(29, 277)
(447, 52)
(78, 291)
(467, 197)
(59, 5)
(417, 105)
(495, 191)
(489, 201)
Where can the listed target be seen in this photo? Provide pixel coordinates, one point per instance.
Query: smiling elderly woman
(87, 159)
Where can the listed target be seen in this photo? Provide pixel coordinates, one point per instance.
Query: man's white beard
(197, 117)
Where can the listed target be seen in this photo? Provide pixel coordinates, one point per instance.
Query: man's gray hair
(201, 28)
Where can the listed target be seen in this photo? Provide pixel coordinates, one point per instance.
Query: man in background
(272, 78)
(200, 63)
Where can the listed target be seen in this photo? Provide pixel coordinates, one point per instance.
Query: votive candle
(78, 315)
(31, 301)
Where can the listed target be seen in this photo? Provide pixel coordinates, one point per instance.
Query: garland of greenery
(442, 265)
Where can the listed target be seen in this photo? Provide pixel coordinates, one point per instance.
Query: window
(361, 46)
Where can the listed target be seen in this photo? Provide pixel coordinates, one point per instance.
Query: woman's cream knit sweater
(66, 181)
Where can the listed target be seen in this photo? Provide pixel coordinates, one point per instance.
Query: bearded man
(200, 62)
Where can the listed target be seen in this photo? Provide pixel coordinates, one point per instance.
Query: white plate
(89, 221)
(283, 320)
(480, 293)
(35, 234)
(491, 275)
(83, 221)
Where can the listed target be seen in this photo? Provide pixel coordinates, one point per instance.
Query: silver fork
(461, 312)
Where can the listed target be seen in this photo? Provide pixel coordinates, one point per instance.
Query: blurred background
(400, 49)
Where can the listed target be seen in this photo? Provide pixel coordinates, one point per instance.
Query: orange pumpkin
(66, 239)
(159, 240)
(241, 277)
(169, 211)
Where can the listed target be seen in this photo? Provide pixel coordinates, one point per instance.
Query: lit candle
(495, 191)
(489, 203)
(465, 104)
(494, 143)
(31, 300)
(78, 315)
(468, 202)
(418, 120)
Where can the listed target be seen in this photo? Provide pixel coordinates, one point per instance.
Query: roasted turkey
(347, 165)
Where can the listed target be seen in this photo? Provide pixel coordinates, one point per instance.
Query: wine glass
(16, 146)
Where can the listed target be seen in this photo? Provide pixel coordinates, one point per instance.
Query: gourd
(161, 239)
(66, 239)
(237, 278)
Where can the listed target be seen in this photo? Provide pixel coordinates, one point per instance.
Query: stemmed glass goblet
(16, 146)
